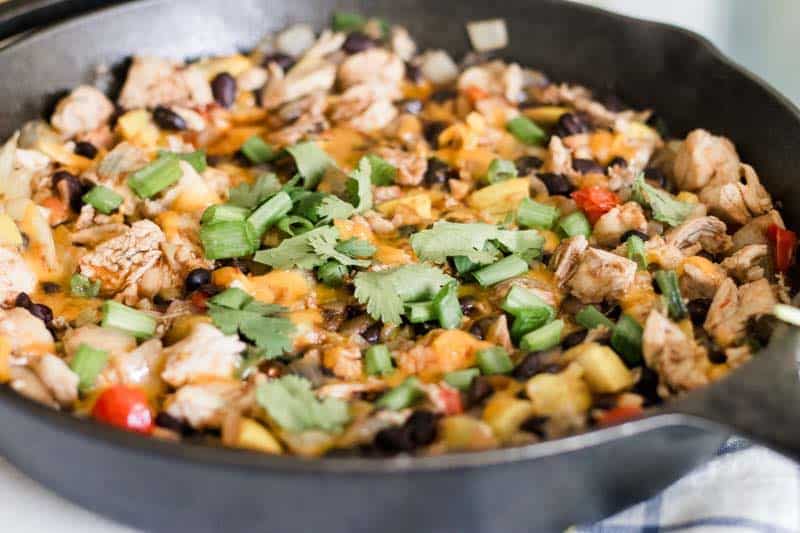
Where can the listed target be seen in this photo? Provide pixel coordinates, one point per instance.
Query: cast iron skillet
(168, 487)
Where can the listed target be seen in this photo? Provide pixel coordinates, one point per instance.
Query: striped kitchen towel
(744, 489)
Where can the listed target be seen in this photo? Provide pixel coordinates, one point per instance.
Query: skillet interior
(649, 64)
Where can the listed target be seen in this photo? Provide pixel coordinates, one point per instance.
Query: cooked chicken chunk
(748, 263)
(542, 289)
(343, 360)
(58, 378)
(581, 99)
(364, 107)
(679, 361)
(282, 88)
(135, 367)
(736, 202)
(123, 260)
(704, 233)
(205, 353)
(375, 66)
(700, 278)
(703, 157)
(611, 226)
(15, 276)
(755, 231)
(402, 43)
(154, 81)
(601, 275)
(494, 78)
(84, 110)
(732, 307)
(410, 166)
(27, 334)
(113, 341)
(667, 256)
(565, 259)
(203, 405)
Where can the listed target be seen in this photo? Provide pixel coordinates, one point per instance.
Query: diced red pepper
(595, 201)
(199, 299)
(124, 407)
(617, 415)
(784, 246)
(446, 399)
(475, 93)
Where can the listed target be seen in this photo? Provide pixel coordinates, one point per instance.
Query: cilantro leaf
(526, 242)
(311, 161)
(359, 186)
(324, 245)
(355, 247)
(334, 208)
(307, 251)
(249, 196)
(271, 334)
(383, 173)
(664, 206)
(384, 292)
(473, 241)
(294, 406)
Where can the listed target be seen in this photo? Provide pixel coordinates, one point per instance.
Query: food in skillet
(339, 244)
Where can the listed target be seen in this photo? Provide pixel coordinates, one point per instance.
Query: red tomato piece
(475, 93)
(595, 201)
(784, 246)
(617, 415)
(124, 407)
(199, 300)
(446, 399)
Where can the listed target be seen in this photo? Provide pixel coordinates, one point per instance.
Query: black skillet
(168, 487)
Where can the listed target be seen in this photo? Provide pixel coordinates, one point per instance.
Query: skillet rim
(221, 457)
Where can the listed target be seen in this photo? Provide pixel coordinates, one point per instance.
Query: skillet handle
(19, 16)
(761, 401)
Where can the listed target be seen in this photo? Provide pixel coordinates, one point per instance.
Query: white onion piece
(788, 313)
(486, 35)
(295, 40)
(438, 67)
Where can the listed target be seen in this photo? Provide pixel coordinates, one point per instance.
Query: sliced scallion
(197, 158)
(575, 224)
(294, 225)
(461, 379)
(529, 320)
(543, 338)
(83, 287)
(506, 268)
(378, 360)
(346, 22)
(155, 177)
(419, 312)
(464, 265)
(446, 306)
(270, 212)
(590, 317)
(121, 317)
(228, 239)
(501, 170)
(103, 199)
(667, 281)
(532, 214)
(526, 130)
(627, 340)
(87, 363)
(520, 300)
(224, 213)
(257, 150)
(636, 251)
(494, 360)
(383, 172)
(402, 396)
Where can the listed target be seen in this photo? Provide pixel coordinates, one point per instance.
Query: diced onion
(486, 35)
(788, 313)
(438, 67)
(295, 40)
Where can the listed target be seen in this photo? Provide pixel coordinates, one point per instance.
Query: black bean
(717, 357)
(573, 339)
(698, 309)
(647, 386)
(373, 333)
(527, 164)
(410, 105)
(613, 312)
(422, 427)
(197, 278)
(167, 421)
(69, 189)
(535, 425)
(557, 184)
(85, 149)
(761, 328)
(210, 289)
(707, 255)
(167, 119)
(570, 124)
(656, 176)
(424, 328)
(479, 389)
(468, 305)
(438, 172)
(529, 366)
(50, 287)
(657, 121)
(394, 439)
(612, 102)
(23, 300)
(431, 132)
(480, 327)
(160, 300)
(357, 42)
(42, 312)
(443, 95)
(223, 87)
(413, 73)
(631, 232)
(282, 60)
(618, 162)
(587, 166)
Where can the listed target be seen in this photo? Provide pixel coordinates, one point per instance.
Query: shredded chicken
(700, 278)
(732, 307)
(58, 378)
(747, 264)
(565, 259)
(612, 225)
(601, 275)
(15, 276)
(364, 107)
(138, 366)
(205, 353)
(203, 405)
(703, 157)
(494, 78)
(679, 361)
(736, 202)
(755, 231)
(84, 110)
(27, 335)
(375, 66)
(411, 167)
(113, 341)
(704, 233)
(581, 99)
(154, 81)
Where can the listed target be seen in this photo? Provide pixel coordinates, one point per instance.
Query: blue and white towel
(744, 489)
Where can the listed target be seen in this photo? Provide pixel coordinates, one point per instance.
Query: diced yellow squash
(565, 392)
(138, 128)
(5, 359)
(183, 325)
(419, 204)
(688, 197)
(505, 413)
(233, 65)
(61, 154)
(603, 370)
(463, 433)
(311, 443)
(253, 436)
(9, 232)
(551, 240)
(501, 197)
(640, 131)
(548, 114)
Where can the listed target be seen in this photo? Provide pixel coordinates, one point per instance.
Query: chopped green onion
(667, 281)
(627, 340)
(526, 130)
(83, 287)
(464, 265)
(529, 320)
(197, 158)
(543, 338)
(155, 177)
(520, 300)
(575, 224)
(590, 317)
(501, 170)
(446, 306)
(103, 199)
(402, 396)
(383, 173)
(378, 360)
(788, 313)
(258, 151)
(270, 212)
(508, 267)
(332, 273)
(494, 360)
(87, 363)
(224, 213)
(347, 22)
(233, 298)
(419, 312)
(356, 248)
(461, 379)
(294, 225)
(636, 251)
(228, 239)
(532, 214)
(118, 316)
